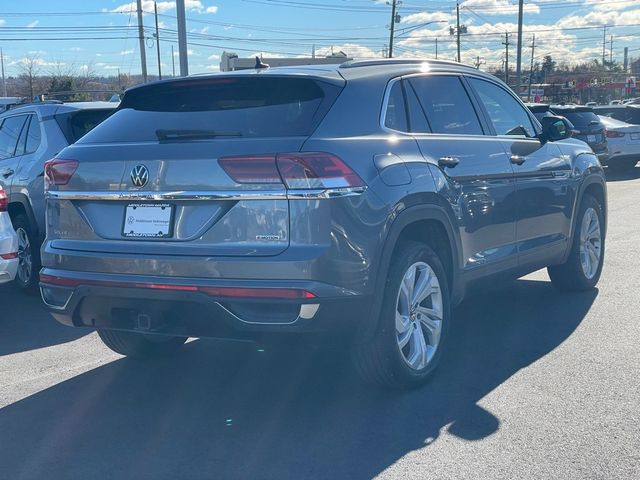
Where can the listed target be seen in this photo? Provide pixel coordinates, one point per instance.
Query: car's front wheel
(583, 267)
(139, 345)
(407, 345)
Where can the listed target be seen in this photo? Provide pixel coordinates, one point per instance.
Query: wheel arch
(419, 222)
(19, 204)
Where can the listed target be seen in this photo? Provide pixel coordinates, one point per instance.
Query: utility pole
(479, 62)
(173, 61)
(394, 4)
(626, 59)
(533, 53)
(182, 38)
(519, 53)
(143, 53)
(458, 28)
(611, 53)
(604, 43)
(506, 57)
(155, 10)
(4, 81)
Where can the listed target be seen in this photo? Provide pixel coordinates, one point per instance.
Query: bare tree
(29, 68)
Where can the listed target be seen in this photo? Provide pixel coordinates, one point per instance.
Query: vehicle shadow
(233, 411)
(618, 176)
(26, 325)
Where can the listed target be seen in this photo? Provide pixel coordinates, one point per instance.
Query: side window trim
(24, 122)
(534, 121)
(484, 125)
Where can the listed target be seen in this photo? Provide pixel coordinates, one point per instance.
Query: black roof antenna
(259, 63)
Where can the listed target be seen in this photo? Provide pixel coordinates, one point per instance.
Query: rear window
(75, 125)
(256, 106)
(580, 117)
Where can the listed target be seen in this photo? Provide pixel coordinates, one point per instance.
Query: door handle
(517, 159)
(448, 161)
(8, 172)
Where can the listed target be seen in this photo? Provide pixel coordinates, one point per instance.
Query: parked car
(591, 104)
(362, 200)
(624, 113)
(541, 110)
(8, 242)
(587, 127)
(624, 143)
(30, 135)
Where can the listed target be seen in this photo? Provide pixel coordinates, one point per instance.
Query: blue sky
(101, 35)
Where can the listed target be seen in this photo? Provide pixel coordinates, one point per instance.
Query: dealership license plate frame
(635, 136)
(138, 214)
(592, 138)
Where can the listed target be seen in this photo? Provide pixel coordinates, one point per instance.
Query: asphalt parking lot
(535, 385)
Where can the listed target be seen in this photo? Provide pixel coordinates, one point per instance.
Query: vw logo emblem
(139, 176)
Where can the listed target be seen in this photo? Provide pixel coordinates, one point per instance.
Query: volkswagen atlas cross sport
(361, 200)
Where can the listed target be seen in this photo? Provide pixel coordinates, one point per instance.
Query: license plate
(591, 138)
(148, 220)
(635, 136)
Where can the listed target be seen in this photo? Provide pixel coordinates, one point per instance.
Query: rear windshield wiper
(178, 134)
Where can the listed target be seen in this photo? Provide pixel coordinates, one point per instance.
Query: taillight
(9, 256)
(59, 172)
(298, 171)
(4, 201)
(613, 134)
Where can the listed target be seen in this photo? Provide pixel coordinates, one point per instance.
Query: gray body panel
(499, 218)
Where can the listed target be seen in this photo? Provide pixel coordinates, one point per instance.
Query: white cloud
(163, 7)
(76, 49)
(424, 17)
(33, 24)
(127, 52)
(213, 57)
(497, 7)
(212, 9)
(599, 18)
(351, 49)
(2, 21)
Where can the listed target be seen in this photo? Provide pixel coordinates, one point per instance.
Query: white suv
(8, 243)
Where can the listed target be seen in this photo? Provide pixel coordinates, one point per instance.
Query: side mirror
(555, 128)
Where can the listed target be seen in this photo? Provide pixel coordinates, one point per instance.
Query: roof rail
(396, 61)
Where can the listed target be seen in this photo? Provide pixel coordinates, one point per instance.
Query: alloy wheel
(590, 243)
(25, 262)
(419, 315)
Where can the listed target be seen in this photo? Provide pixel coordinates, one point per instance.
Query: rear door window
(579, 118)
(234, 106)
(9, 134)
(33, 135)
(505, 112)
(395, 117)
(446, 104)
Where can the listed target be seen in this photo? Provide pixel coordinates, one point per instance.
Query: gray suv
(29, 136)
(360, 200)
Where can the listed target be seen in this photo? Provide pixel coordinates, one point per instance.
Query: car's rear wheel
(139, 345)
(414, 319)
(28, 253)
(583, 267)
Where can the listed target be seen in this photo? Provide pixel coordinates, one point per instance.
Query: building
(230, 61)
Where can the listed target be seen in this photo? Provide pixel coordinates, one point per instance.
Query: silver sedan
(623, 142)
(8, 243)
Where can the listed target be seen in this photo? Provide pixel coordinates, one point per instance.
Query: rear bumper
(8, 269)
(180, 306)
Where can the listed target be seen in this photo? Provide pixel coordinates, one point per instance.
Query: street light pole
(519, 55)
(155, 9)
(458, 29)
(182, 38)
(143, 53)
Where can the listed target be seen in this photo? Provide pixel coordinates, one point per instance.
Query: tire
(572, 275)
(27, 277)
(139, 345)
(382, 360)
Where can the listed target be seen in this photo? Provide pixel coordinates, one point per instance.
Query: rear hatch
(188, 167)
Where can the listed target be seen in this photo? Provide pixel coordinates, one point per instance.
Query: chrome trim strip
(209, 196)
